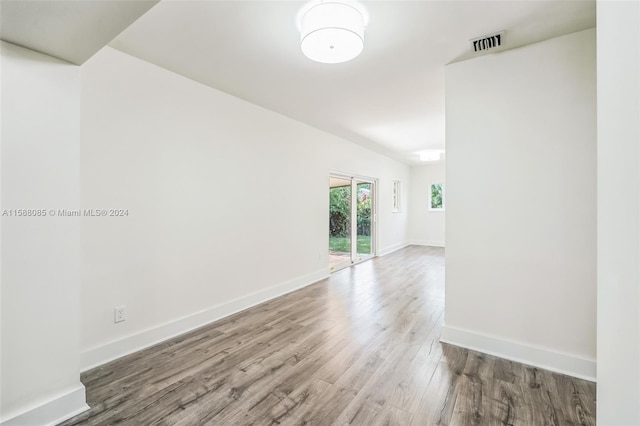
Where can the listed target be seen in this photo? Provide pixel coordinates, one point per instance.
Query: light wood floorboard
(359, 348)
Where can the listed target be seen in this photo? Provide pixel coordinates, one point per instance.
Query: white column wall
(40, 255)
(618, 213)
(521, 204)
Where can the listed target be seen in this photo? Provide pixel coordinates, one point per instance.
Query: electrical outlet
(119, 314)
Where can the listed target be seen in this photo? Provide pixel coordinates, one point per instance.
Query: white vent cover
(487, 42)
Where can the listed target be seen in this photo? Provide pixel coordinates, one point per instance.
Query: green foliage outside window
(436, 196)
(340, 211)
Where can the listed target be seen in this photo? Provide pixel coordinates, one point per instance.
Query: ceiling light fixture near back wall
(431, 155)
(332, 31)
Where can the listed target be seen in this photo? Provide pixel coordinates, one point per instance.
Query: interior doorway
(351, 220)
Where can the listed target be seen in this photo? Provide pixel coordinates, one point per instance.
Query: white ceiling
(390, 98)
(73, 30)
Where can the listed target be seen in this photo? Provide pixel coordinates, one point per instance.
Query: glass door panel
(364, 219)
(340, 222)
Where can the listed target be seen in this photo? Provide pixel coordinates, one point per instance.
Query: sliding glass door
(364, 216)
(351, 220)
(339, 222)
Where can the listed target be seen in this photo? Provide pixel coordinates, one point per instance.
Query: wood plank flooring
(359, 348)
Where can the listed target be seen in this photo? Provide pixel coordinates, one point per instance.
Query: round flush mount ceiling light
(332, 31)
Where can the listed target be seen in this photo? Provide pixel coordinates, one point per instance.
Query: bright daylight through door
(351, 224)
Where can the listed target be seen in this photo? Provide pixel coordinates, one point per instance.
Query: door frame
(355, 179)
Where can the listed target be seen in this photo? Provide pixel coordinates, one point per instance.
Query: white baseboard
(430, 243)
(535, 356)
(391, 249)
(52, 411)
(99, 355)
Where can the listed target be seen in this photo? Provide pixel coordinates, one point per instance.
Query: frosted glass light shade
(332, 31)
(431, 155)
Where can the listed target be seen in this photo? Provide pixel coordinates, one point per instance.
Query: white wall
(227, 201)
(40, 255)
(426, 226)
(618, 213)
(521, 204)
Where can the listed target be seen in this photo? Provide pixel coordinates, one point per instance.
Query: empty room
(320, 212)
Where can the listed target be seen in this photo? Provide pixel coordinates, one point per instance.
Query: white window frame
(396, 196)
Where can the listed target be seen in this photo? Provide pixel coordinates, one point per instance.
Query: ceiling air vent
(487, 42)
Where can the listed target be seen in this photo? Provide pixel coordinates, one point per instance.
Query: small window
(436, 198)
(396, 195)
